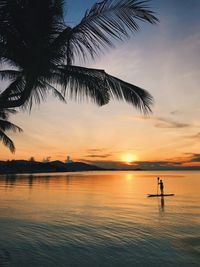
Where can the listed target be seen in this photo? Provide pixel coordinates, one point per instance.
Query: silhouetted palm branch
(7, 141)
(38, 45)
(7, 126)
(105, 20)
(4, 114)
(81, 83)
(9, 74)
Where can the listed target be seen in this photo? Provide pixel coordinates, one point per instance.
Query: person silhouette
(161, 187)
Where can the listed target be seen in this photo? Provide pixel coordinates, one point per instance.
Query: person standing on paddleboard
(161, 187)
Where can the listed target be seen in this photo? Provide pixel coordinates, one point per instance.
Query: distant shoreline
(33, 167)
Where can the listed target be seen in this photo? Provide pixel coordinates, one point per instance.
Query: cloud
(195, 158)
(93, 150)
(98, 155)
(161, 122)
(175, 112)
(195, 136)
(168, 123)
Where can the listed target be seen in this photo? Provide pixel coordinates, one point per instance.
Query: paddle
(157, 184)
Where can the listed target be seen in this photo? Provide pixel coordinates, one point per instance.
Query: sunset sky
(164, 59)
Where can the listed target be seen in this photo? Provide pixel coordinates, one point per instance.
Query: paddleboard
(165, 195)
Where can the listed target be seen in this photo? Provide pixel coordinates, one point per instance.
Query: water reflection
(84, 219)
(161, 206)
(30, 180)
(129, 176)
(162, 200)
(10, 180)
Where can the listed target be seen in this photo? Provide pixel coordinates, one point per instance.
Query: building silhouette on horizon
(68, 160)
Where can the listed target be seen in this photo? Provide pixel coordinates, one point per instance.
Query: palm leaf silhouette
(41, 50)
(5, 126)
(105, 21)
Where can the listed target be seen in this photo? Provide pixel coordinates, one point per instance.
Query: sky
(164, 59)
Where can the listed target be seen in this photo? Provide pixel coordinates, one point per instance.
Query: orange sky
(163, 59)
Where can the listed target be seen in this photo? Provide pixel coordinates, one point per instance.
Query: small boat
(160, 195)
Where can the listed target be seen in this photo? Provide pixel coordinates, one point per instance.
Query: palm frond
(83, 84)
(9, 74)
(132, 94)
(5, 125)
(105, 20)
(4, 113)
(37, 43)
(39, 90)
(8, 126)
(55, 91)
(79, 83)
(29, 27)
(57, 8)
(7, 141)
(12, 93)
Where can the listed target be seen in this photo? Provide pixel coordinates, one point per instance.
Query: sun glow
(129, 158)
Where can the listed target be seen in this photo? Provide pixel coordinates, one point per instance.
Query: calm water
(99, 219)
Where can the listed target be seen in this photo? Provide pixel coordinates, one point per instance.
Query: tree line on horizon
(38, 52)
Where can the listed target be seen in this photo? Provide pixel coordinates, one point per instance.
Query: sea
(100, 219)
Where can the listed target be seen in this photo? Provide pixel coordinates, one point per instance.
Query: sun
(129, 158)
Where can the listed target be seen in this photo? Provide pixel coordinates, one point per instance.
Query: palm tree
(39, 50)
(5, 125)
